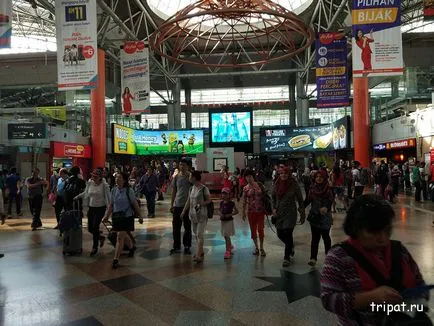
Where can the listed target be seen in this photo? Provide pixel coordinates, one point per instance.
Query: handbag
(52, 197)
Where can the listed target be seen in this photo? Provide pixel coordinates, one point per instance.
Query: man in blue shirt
(13, 184)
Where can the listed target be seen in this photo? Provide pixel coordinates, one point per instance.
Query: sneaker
(312, 262)
(175, 251)
(187, 251)
(115, 263)
(228, 254)
(286, 263)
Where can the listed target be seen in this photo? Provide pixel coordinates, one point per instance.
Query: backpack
(266, 199)
(209, 207)
(71, 190)
(395, 282)
(364, 177)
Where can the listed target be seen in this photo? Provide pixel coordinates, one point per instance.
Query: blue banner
(331, 70)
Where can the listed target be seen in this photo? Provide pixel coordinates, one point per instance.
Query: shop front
(399, 151)
(67, 155)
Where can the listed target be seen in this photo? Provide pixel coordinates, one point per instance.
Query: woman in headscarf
(320, 217)
(285, 194)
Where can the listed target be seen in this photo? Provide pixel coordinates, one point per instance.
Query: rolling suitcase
(113, 237)
(71, 227)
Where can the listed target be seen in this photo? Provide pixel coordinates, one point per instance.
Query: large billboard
(377, 39)
(331, 70)
(153, 142)
(76, 29)
(5, 23)
(135, 78)
(329, 137)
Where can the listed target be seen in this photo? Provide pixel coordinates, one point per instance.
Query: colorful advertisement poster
(330, 137)
(135, 78)
(55, 113)
(153, 142)
(5, 23)
(331, 70)
(77, 63)
(71, 150)
(428, 9)
(377, 40)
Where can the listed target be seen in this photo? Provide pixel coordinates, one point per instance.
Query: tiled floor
(38, 286)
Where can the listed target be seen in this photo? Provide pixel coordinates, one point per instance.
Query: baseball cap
(226, 190)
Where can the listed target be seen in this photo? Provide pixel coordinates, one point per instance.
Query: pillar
(170, 115)
(188, 109)
(361, 121)
(98, 116)
(177, 104)
(302, 103)
(395, 87)
(292, 100)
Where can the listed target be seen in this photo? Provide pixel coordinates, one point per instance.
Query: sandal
(256, 252)
(263, 254)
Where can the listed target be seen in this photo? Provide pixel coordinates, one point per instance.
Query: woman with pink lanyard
(255, 211)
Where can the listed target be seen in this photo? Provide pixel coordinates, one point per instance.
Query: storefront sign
(27, 131)
(71, 150)
(135, 78)
(331, 70)
(162, 142)
(307, 139)
(5, 23)
(377, 40)
(428, 9)
(401, 144)
(379, 147)
(56, 113)
(77, 64)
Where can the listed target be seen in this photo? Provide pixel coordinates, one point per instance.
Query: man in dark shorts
(35, 185)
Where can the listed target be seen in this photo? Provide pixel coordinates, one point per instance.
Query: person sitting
(349, 287)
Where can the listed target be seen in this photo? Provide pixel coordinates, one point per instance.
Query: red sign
(71, 150)
(428, 9)
(401, 144)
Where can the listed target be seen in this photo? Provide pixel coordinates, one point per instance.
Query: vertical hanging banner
(77, 63)
(5, 23)
(331, 70)
(377, 40)
(135, 78)
(428, 9)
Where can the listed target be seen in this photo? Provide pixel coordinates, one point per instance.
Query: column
(362, 137)
(170, 115)
(302, 104)
(188, 109)
(177, 104)
(98, 116)
(395, 87)
(292, 100)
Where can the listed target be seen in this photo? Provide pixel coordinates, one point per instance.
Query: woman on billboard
(127, 97)
(363, 43)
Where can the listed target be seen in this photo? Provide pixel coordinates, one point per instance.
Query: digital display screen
(153, 142)
(231, 127)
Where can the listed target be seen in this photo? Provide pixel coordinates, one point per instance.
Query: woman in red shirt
(254, 209)
(363, 43)
(127, 97)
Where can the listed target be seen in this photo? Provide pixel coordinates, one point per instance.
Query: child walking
(227, 213)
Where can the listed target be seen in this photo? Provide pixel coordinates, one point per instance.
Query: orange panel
(362, 137)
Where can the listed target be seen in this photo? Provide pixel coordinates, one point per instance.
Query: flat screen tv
(232, 128)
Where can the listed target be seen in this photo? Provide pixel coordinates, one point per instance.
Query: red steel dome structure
(231, 34)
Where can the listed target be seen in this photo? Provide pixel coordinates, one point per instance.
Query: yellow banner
(53, 112)
(123, 140)
(375, 16)
(330, 71)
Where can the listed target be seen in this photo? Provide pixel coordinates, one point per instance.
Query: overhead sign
(135, 78)
(161, 142)
(377, 39)
(399, 144)
(56, 113)
(71, 150)
(5, 23)
(331, 70)
(27, 131)
(428, 9)
(330, 137)
(77, 65)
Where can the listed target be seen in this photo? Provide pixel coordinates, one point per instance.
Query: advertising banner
(5, 23)
(71, 150)
(428, 9)
(153, 142)
(77, 64)
(56, 113)
(331, 70)
(330, 137)
(377, 40)
(135, 78)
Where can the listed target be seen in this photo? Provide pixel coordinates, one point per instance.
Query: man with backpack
(73, 187)
(383, 177)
